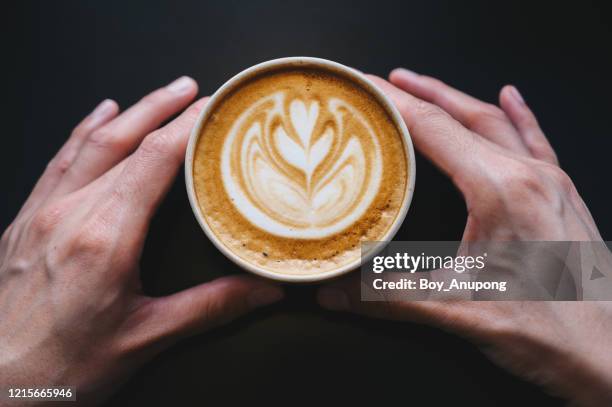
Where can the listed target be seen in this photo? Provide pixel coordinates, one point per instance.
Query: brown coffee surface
(294, 168)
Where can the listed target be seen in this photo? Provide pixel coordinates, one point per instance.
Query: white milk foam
(304, 207)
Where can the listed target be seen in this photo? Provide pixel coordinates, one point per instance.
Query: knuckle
(429, 116)
(92, 239)
(157, 143)
(405, 107)
(6, 234)
(428, 110)
(543, 150)
(79, 132)
(17, 266)
(100, 135)
(61, 163)
(520, 190)
(515, 184)
(106, 139)
(193, 112)
(527, 187)
(425, 115)
(76, 133)
(561, 179)
(46, 220)
(521, 178)
(485, 114)
(492, 110)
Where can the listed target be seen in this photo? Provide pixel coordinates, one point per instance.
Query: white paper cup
(304, 62)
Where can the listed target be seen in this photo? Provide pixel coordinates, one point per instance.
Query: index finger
(149, 172)
(449, 145)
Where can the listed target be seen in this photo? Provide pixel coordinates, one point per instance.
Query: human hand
(514, 189)
(72, 309)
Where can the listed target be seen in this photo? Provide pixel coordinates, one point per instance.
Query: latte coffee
(294, 164)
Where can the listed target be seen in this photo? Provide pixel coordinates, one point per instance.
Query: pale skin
(73, 312)
(509, 175)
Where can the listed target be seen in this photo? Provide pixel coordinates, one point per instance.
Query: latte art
(301, 168)
(295, 167)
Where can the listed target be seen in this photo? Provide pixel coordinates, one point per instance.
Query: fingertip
(513, 104)
(106, 108)
(265, 295)
(183, 85)
(113, 105)
(394, 74)
(399, 74)
(504, 94)
(510, 104)
(517, 95)
(258, 292)
(511, 94)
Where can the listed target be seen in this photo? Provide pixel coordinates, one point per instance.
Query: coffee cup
(294, 163)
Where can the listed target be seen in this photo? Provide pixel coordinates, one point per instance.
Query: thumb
(205, 306)
(446, 311)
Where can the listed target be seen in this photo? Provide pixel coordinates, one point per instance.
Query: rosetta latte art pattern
(301, 168)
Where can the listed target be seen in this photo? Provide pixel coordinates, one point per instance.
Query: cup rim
(280, 63)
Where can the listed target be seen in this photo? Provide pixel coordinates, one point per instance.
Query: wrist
(561, 346)
(574, 352)
(589, 384)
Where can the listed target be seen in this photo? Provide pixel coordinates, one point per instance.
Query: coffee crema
(293, 168)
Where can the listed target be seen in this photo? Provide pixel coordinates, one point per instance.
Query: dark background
(63, 57)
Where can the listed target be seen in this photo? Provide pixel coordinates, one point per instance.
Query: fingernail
(181, 85)
(265, 296)
(333, 299)
(517, 95)
(406, 72)
(104, 108)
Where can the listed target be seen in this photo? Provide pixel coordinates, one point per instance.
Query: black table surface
(63, 57)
